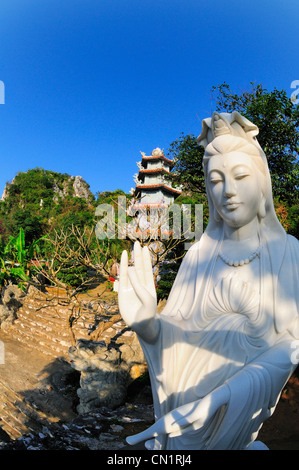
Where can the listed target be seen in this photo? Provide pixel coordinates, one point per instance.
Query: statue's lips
(232, 205)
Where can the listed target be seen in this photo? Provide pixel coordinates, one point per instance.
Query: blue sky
(91, 83)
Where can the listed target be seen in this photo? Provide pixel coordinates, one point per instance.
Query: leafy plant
(15, 259)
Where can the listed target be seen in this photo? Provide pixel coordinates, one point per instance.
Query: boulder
(106, 371)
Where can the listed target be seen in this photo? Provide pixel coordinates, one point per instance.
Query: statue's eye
(215, 177)
(215, 180)
(240, 176)
(240, 172)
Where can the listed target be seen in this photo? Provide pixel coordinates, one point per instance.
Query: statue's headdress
(227, 123)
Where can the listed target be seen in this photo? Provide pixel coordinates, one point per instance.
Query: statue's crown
(220, 126)
(227, 123)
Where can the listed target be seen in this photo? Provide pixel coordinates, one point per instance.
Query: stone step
(51, 348)
(14, 421)
(30, 314)
(58, 326)
(17, 416)
(42, 330)
(11, 427)
(46, 329)
(89, 307)
(60, 311)
(59, 316)
(40, 327)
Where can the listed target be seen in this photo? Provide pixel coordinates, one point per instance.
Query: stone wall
(44, 325)
(107, 365)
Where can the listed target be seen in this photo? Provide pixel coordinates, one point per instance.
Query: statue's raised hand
(137, 297)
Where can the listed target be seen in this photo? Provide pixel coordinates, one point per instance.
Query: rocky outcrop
(11, 301)
(74, 185)
(81, 188)
(106, 370)
(6, 190)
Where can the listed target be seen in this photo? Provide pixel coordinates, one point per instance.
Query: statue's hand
(137, 297)
(189, 417)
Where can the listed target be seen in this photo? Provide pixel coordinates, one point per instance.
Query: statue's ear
(262, 208)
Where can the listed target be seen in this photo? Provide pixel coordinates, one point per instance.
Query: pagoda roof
(154, 170)
(157, 157)
(157, 186)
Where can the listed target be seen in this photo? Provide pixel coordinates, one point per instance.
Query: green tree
(187, 156)
(293, 218)
(32, 224)
(277, 118)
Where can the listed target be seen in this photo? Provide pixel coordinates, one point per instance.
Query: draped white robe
(228, 330)
(231, 330)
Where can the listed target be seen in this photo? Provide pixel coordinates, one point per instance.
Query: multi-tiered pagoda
(153, 184)
(152, 195)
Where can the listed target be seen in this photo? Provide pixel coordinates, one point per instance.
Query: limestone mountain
(46, 182)
(39, 200)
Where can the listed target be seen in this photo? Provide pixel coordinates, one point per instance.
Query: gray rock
(11, 301)
(105, 372)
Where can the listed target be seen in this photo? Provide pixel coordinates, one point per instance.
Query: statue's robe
(231, 331)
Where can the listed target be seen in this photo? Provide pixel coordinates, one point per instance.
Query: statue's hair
(228, 144)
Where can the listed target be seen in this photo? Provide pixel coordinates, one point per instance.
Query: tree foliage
(187, 156)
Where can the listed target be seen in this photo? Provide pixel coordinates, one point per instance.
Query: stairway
(17, 416)
(36, 348)
(43, 330)
(46, 327)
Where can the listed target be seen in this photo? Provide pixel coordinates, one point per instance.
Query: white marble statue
(220, 352)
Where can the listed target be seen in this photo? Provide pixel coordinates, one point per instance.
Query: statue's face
(234, 187)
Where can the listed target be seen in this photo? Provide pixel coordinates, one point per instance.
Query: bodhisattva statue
(220, 352)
